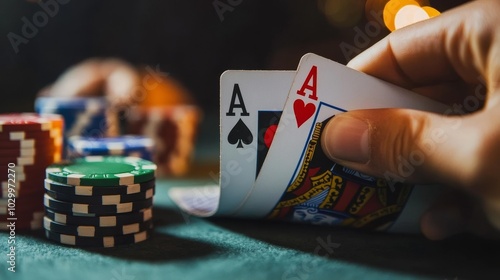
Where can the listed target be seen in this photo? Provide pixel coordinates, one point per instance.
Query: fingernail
(442, 223)
(346, 139)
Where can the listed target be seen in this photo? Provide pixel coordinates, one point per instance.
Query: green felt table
(187, 247)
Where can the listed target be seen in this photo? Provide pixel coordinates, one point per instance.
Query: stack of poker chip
(82, 116)
(128, 145)
(173, 130)
(99, 201)
(28, 144)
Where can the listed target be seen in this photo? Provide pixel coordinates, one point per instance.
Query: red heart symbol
(303, 111)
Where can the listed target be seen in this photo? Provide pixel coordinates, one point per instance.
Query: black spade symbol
(240, 134)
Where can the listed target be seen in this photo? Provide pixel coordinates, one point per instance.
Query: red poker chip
(30, 139)
(41, 164)
(23, 176)
(171, 127)
(54, 134)
(25, 187)
(6, 153)
(48, 148)
(25, 169)
(29, 152)
(23, 181)
(27, 143)
(33, 181)
(29, 122)
(31, 185)
(40, 136)
(40, 155)
(20, 193)
(42, 161)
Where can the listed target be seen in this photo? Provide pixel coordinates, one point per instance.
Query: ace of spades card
(251, 104)
(244, 95)
(302, 185)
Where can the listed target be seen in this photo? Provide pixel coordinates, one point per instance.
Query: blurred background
(192, 41)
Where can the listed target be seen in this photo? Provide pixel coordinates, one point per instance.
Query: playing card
(251, 104)
(297, 182)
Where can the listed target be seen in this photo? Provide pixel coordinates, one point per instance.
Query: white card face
(251, 102)
(297, 182)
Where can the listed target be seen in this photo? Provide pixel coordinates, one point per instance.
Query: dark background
(185, 38)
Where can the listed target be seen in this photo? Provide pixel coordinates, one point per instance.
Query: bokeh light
(391, 9)
(401, 13)
(409, 14)
(374, 9)
(431, 11)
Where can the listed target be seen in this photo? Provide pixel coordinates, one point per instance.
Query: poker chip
(127, 145)
(102, 171)
(28, 122)
(81, 208)
(93, 231)
(43, 160)
(173, 130)
(29, 152)
(22, 144)
(100, 221)
(21, 170)
(98, 191)
(105, 241)
(102, 200)
(40, 138)
(24, 188)
(29, 143)
(83, 116)
(21, 192)
(21, 206)
(17, 153)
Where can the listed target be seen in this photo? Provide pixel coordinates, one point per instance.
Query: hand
(444, 58)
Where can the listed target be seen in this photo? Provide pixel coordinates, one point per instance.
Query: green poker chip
(102, 171)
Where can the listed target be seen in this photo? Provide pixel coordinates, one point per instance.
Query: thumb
(404, 145)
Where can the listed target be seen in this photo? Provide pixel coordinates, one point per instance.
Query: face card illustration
(249, 100)
(299, 182)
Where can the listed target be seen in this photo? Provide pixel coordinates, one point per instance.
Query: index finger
(434, 51)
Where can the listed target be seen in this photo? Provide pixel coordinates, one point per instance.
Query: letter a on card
(302, 110)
